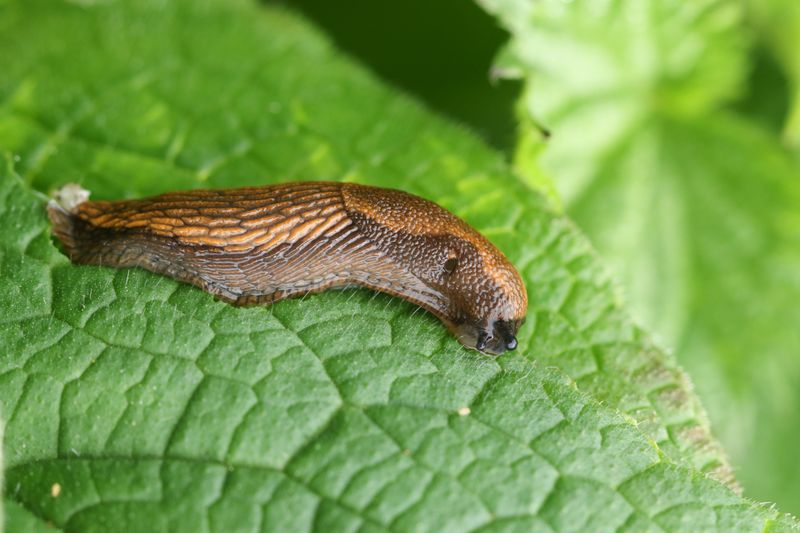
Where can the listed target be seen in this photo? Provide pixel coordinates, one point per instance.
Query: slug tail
(66, 225)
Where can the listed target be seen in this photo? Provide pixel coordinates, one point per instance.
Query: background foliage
(133, 394)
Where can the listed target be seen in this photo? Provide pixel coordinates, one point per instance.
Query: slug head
(444, 265)
(486, 299)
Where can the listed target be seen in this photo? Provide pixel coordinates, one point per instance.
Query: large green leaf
(698, 210)
(130, 399)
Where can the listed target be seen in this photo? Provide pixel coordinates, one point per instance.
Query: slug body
(262, 244)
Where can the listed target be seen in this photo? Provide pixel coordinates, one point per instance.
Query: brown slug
(262, 244)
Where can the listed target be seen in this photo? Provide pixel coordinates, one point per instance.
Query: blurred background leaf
(696, 205)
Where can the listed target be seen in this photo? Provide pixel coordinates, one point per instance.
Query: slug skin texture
(259, 245)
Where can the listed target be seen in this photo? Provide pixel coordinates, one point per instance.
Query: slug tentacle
(262, 244)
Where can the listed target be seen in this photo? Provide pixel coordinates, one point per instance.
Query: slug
(259, 245)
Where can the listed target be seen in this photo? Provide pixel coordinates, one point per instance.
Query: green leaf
(132, 400)
(697, 210)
